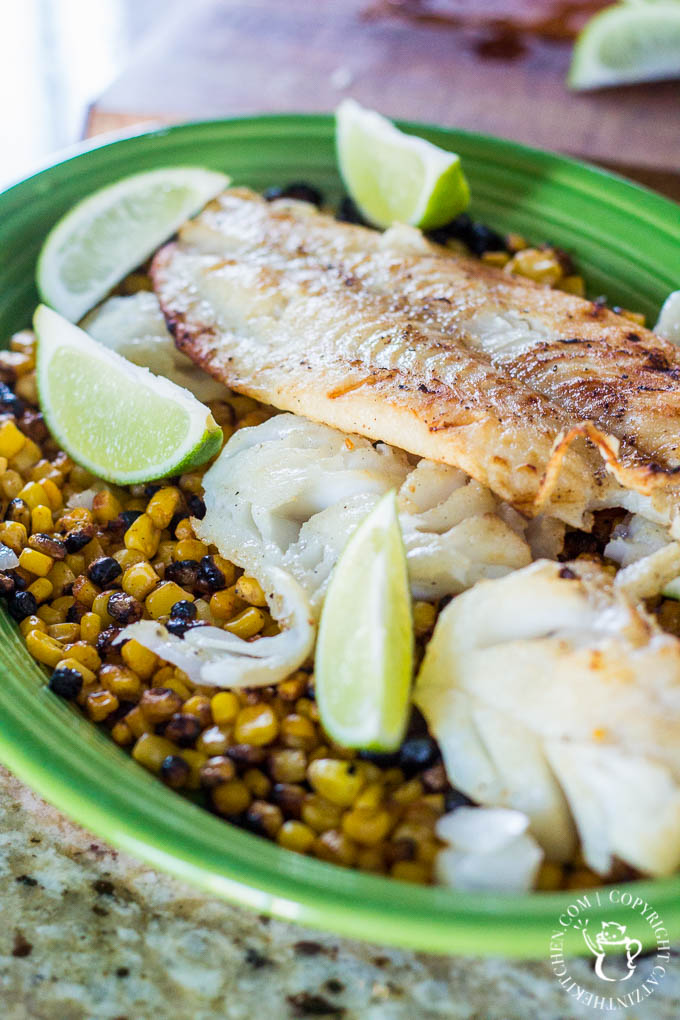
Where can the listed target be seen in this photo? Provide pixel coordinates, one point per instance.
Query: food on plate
(439, 459)
(397, 339)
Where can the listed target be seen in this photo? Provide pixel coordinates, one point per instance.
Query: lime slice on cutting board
(116, 419)
(627, 43)
(364, 652)
(109, 233)
(394, 177)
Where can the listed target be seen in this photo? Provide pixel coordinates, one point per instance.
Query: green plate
(625, 240)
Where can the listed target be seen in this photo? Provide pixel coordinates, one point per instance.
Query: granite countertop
(88, 933)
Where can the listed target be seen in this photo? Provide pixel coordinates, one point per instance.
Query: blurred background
(72, 68)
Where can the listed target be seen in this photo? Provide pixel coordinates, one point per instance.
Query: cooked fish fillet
(391, 337)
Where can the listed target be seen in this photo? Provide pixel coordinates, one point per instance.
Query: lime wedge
(364, 652)
(629, 42)
(394, 177)
(112, 231)
(116, 419)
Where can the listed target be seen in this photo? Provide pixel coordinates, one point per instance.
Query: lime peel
(396, 177)
(364, 654)
(118, 420)
(112, 231)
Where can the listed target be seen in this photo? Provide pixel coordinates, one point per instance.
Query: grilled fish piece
(392, 337)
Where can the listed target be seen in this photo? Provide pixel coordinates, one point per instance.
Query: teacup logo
(611, 939)
(622, 976)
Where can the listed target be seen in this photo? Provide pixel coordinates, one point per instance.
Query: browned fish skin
(391, 337)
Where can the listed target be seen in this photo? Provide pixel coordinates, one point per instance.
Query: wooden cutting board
(217, 58)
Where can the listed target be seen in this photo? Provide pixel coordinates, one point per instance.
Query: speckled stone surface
(87, 933)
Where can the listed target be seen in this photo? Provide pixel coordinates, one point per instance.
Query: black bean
(104, 571)
(417, 753)
(196, 506)
(67, 683)
(151, 489)
(349, 213)
(183, 572)
(174, 521)
(79, 537)
(246, 754)
(483, 239)
(174, 771)
(454, 799)
(210, 577)
(18, 511)
(22, 604)
(128, 517)
(10, 403)
(299, 190)
(76, 612)
(124, 608)
(385, 759)
(178, 626)
(184, 610)
(182, 728)
(105, 641)
(32, 424)
(7, 584)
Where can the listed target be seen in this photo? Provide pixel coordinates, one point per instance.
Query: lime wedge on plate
(364, 651)
(394, 177)
(106, 235)
(626, 43)
(117, 419)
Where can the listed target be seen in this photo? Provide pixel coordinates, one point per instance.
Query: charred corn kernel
(573, 285)
(122, 734)
(11, 439)
(26, 387)
(42, 469)
(496, 258)
(90, 627)
(163, 506)
(30, 623)
(86, 654)
(366, 826)
(550, 876)
(143, 536)
(52, 492)
(288, 765)
(84, 591)
(190, 549)
(75, 563)
(298, 731)
(265, 818)
(320, 814)
(81, 477)
(44, 648)
(41, 520)
(371, 858)
(164, 553)
(128, 557)
(247, 624)
(535, 264)
(408, 792)
(183, 529)
(424, 615)
(35, 562)
(195, 760)
(178, 687)
(639, 319)
(160, 602)
(63, 578)
(137, 722)
(11, 484)
(105, 506)
(17, 361)
(68, 663)
(100, 606)
(335, 846)
(24, 341)
(292, 688)
(67, 633)
(139, 579)
(50, 615)
(162, 675)
(297, 836)
(150, 750)
(250, 591)
(203, 611)
(121, 681)
(256, 724)
(337, 781)
(256, 781)
(371, 796)
(33, 494)
(231, 798)
(213, 741)
(191, 482)
(224, 707)
(515, 242)
(306, 707)
(63, 604)
(223, 604)
(159, 703)
(93, 551)
(41, 590)
(76, 517)
(139, 659)
(14, 535)
(101, 704)
(226, 568)
(136, 504)
(410, 871)
(426, 852)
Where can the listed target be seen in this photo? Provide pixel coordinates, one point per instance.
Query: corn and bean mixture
(91, 564)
